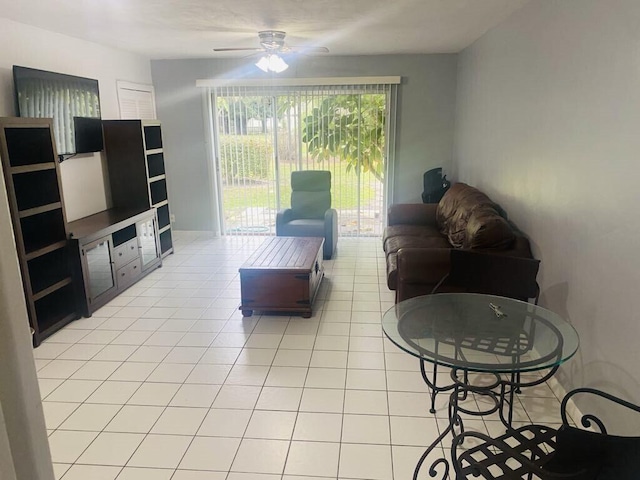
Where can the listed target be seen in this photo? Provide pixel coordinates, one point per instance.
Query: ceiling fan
(272, 42)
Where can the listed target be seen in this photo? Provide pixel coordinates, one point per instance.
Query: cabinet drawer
(129, 274)
(126, 252)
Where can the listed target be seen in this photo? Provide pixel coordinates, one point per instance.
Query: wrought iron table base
(503, 397)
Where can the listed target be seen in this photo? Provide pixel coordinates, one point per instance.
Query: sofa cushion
(303, 228)
(410, 231)
(488, 228)
(311, 180)
(310, 193)
(393, 244)
(459, 197)
(392, 271)
(310, 205)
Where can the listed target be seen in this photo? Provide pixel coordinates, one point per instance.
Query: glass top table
(469, 333)
(480, 333)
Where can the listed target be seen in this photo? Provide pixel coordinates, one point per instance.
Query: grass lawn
(237, 198)
(249, 194)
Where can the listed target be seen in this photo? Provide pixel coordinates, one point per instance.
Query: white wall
(7, 469)
(547, 123)
(82, 177)
(84, 194)
(426, 101)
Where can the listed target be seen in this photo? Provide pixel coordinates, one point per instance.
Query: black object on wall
(88, 134)
(435, 185)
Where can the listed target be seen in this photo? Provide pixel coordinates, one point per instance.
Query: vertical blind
(263, 133)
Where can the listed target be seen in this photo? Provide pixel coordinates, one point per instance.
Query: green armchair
(310, 214)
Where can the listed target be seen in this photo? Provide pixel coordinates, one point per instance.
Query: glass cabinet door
(147, 241)
(99, 265)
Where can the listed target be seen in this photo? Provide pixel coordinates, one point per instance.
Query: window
(263, 133)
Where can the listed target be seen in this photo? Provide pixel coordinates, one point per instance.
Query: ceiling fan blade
(307, 50)
(239, 49)
(272, 42)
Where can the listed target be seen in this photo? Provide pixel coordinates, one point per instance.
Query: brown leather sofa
(419, 237)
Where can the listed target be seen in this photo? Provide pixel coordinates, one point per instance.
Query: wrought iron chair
(478, 272)
(544, 453)
(310, 214)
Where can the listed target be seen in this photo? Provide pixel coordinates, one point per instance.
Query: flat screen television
(73, 103)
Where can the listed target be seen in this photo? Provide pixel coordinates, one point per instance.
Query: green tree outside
(351, 128)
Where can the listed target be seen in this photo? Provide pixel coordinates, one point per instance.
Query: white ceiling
(191, 28)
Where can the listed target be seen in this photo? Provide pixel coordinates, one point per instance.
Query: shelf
(158, 191)
(61, 322)
(42, 229)
(49, 269)
(37, 210)
(29, 146)
(35, 189)
(51, 289)
(53, 308)
(155, 164)
(164, 229)
(166, 243)
(33, 168)
(124, 235)
(31, 173)
(45, 250)
(152, 137)
(158, 178)
(164, 219)
(153, 151)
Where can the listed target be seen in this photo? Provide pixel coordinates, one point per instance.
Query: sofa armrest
(282, 217)
(420, 270)
(412, 214)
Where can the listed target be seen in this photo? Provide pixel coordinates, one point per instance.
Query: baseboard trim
(572, 409)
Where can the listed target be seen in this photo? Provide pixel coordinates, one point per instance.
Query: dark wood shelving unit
(135, 159)
(32, 178)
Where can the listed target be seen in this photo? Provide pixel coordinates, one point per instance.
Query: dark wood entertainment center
(135, 158)
(72, 269)
(116, 248)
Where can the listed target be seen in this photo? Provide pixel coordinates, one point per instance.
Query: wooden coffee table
(283, 275)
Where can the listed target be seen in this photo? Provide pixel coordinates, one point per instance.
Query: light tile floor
(169, 381)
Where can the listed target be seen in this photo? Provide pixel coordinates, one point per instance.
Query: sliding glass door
(261, 135)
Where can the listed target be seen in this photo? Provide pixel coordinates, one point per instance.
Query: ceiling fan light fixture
(277, 64)
(272, 39)
(272, 63)
(263, 64)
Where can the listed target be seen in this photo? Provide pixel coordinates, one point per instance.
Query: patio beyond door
(262, 135)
